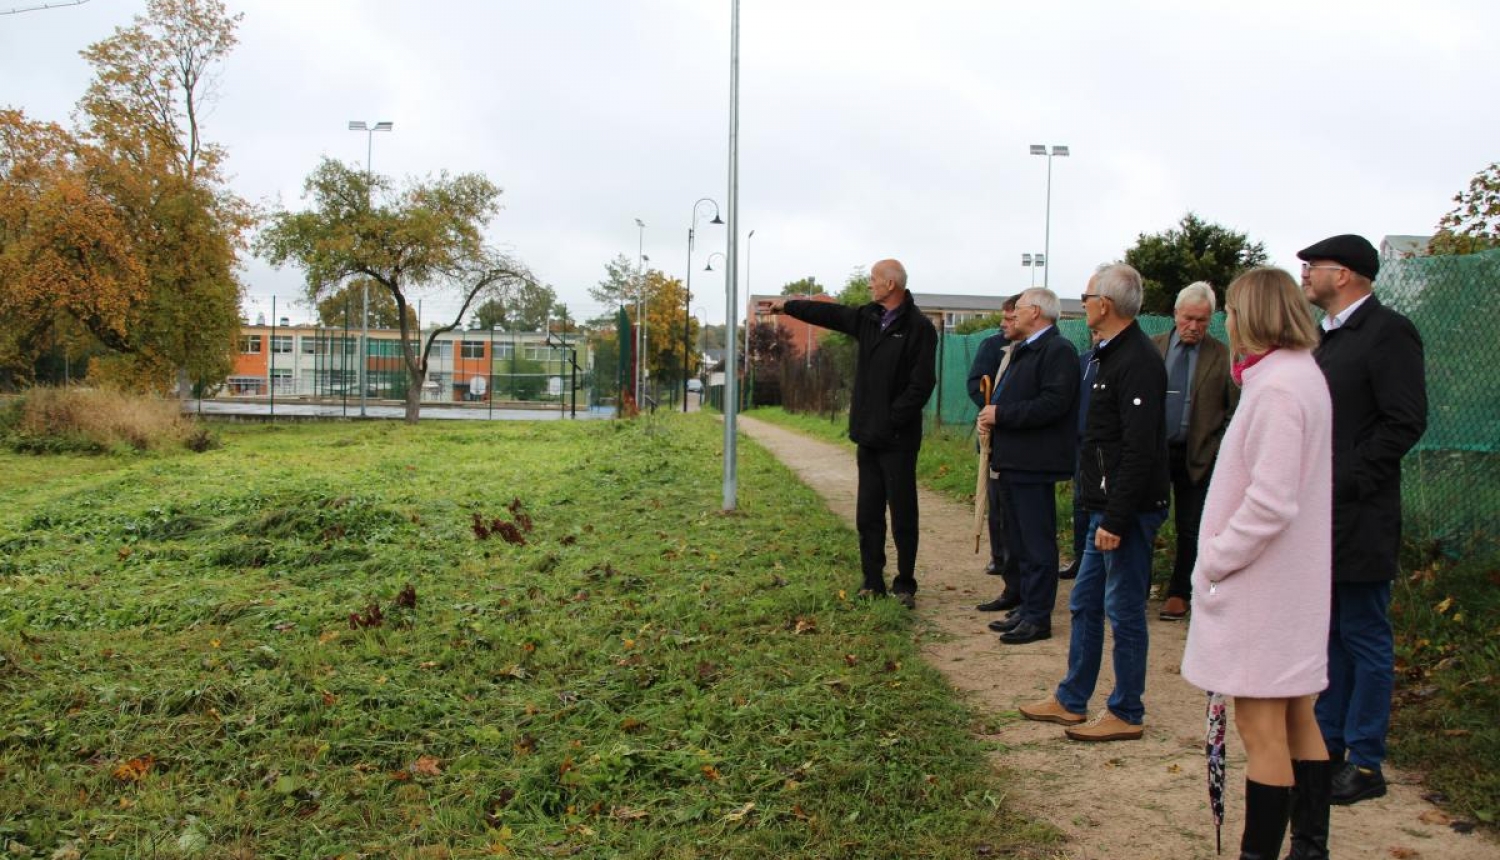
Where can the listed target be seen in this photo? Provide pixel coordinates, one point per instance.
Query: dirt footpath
(1128, 800)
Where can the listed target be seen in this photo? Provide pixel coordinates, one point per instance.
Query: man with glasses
(1200, 401)
(991, 360)
(1030, 419)
(1124, 486)
(1371, 357)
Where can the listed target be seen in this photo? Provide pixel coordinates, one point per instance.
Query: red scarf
(1238, 369)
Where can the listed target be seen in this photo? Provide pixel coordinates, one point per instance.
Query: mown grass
(645, 677)
(1446, 616)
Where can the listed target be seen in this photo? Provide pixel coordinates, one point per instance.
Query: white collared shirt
(1332, 322)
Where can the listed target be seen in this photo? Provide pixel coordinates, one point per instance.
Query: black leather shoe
(1006, 601)
(1353, 783)
(994, 568)
(1024, 632)
(1069, 572)
(1004, 624)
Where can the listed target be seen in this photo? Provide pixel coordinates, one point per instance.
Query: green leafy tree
(807, 286)
(350, 299)
(425, 237)
(1194, 250)
(1474, 223)
(529, 309)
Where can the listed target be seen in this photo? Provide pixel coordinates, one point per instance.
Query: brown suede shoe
(1175, 609)
(1107, 728)
(1050, 710)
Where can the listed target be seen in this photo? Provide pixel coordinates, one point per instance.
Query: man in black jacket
(990, 360)
(1124, 486)
(1372, 359)
(1031, 420)
(893, 377)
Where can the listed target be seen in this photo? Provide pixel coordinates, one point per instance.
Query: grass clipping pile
(97, 421)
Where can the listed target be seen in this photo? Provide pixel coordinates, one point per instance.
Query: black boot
(1310, 810)
(1266, 808)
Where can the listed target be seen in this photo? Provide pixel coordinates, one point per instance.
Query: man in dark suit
(991, 360)
(1031, 420)
(1200, 401)
(894, 374)
(1372, 359)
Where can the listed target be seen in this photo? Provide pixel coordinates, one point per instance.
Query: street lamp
(1034, 261)
(1060, 152)
(687, 292)
(364, 338)
(640, 311)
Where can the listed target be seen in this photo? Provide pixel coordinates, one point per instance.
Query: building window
(473, 349)
(250, 344)
(504, 350)
(281, 344)
(538, 352)
(443, 349)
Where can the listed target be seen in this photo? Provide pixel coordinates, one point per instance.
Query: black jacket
(986, 362)
(1123, 465)
(895, 372)
(1374, 367)
(1036, 411)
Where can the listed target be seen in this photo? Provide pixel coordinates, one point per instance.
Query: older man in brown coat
(1200, 401)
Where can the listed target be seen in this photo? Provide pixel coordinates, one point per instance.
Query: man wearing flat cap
(1372, 359)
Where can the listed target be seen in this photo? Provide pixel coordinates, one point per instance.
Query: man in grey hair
(1124, 486)
(1201, 398)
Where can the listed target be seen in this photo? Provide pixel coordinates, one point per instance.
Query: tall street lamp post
(640, 315)
(687, 292)
(1034, 262)
(1060, 152)
(364, 337)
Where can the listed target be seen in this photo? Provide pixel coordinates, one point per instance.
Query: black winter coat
(894, 373)
(1123, 464)
(986, 362)
(1374, 367)
(1036, 411)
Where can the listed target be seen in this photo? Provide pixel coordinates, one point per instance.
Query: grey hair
(1045, 301)
(1121, 284)
(893, 270)
(1195, 293)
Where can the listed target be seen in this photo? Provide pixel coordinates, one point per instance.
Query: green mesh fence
(1451, 480)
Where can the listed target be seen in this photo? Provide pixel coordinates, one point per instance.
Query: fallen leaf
(1443, 606)
(1436, 816)
(625, 813)
(426, 766)
(739, 814)
(850, 660)
(806, 625)
(134, 770)
(1457, 733)
(1404, 853)
(1174, 768)
(711, 772)
(329, 699)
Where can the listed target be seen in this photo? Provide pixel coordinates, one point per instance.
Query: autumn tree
(346, 304)
(663, 298)
(1194, 250)
(126, 225)
(528, 309)
(1474, 223)
(424, 237)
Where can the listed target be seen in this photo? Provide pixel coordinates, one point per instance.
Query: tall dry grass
(95, 419)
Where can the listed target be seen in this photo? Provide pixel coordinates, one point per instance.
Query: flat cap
(1349, 250)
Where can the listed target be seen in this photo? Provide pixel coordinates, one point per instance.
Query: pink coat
(1263, 582)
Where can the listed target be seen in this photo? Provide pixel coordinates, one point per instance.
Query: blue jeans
(1113, 584)
(1355, 711)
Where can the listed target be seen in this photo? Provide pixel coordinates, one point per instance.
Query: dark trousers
(1031, 535)
(1000, 553)
(1080, 519)
(1354, 711)
(1187, 512)
(887, 479)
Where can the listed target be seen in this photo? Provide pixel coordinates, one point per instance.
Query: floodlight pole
(1060, 152)
(364, 337)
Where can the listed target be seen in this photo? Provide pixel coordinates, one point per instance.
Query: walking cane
(981, 492)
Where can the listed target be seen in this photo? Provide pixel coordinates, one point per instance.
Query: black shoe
(1004, 624)
(906, 598)
(994, 568)
(1024, 632)
(1006, 601)
(1310, 810)
(870, 593)
(1069, 572)
(1353, 783)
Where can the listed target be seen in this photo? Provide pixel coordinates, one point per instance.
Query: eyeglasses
(1308, 267)
(1086, 296)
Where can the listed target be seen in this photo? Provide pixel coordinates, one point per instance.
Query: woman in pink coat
(1262, 585)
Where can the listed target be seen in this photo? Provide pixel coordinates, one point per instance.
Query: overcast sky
(867, 129)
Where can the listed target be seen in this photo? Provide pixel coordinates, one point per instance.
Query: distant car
(695, 385)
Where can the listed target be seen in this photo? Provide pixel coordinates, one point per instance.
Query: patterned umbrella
(1215, 748)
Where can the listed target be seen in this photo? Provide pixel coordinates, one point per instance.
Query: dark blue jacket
(986, 362)
(894, 374)
(1036, 411)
